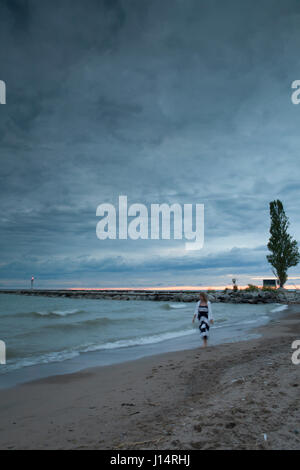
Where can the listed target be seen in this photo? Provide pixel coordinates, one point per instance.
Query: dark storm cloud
(173, 101)
(16, 12)
(119, 267)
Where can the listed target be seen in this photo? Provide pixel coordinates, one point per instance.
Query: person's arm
(210, 316)
(195, 312)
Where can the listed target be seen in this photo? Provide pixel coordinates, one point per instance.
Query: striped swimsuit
(203, 320)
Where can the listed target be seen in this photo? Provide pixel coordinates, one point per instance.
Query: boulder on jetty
(257, 297)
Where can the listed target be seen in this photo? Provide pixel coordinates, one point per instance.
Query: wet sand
(242, 395)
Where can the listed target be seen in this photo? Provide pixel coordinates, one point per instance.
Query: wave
(125, 343)
(47, 358)
(239, 323)
(81, 326)
(279, 308)
(61, 356)
(175, 306)
(43, 313)
(104, 321)
(58, 313)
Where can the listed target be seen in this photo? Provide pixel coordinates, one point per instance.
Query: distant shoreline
(227, 296)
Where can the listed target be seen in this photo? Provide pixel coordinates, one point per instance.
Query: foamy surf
(65, 355)
(279, 308)
(139, 341)
(58, 313)
(179, 305)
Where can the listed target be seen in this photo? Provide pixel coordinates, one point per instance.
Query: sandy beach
(235, 396)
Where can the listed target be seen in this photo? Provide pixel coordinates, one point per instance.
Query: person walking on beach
(203, 312)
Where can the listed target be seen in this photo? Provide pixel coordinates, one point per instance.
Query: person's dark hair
(203, 297)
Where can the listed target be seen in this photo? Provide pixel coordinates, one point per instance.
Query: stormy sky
(165, 101)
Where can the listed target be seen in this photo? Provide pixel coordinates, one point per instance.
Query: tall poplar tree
(284, 250)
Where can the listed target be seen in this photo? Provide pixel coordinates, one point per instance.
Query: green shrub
(251, 288)
(268, 289)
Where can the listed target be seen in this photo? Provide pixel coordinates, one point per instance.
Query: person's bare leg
(205, 342)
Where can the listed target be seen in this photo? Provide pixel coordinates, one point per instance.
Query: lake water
(41, 330)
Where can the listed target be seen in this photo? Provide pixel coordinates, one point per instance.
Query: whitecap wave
(58, 313)
(279, 308)
(125, 343)
(175, 306)
(60, 356)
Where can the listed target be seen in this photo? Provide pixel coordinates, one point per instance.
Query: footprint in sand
(198, 427)
(197, 444)
(230, 425)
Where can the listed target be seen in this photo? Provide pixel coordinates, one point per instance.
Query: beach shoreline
(242, 395)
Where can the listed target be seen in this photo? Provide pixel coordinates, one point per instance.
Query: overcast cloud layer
(185, 101)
